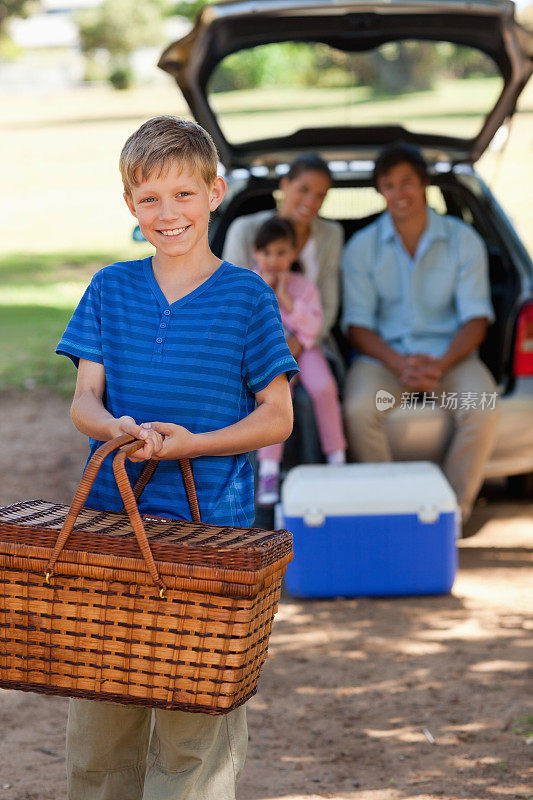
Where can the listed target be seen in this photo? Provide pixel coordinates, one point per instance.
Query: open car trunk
(349, 27)
(450, 194)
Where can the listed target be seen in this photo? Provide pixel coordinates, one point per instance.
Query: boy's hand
(177, 441)
(153, 443)
(122, 425)
(153, 440)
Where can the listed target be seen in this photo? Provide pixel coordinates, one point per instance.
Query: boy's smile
(175, 232)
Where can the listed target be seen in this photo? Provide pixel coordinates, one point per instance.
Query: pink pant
(316, 378)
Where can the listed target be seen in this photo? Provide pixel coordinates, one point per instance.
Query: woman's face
(303, 196)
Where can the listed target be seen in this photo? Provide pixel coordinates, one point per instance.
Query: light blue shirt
(418, 304)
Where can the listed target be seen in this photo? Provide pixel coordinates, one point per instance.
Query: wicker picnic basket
(82, 614)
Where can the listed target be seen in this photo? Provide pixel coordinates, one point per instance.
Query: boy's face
(173, 209)
(404, 192)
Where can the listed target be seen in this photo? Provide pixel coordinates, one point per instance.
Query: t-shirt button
(166, 312)
(159, 340)
(163, 325)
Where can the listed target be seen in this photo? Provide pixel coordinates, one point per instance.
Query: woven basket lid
(37, 523)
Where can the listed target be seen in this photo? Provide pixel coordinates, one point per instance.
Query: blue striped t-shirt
(197, 362)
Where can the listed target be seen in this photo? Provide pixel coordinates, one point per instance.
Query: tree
(12, 8)
(190, 8)
(120, 27)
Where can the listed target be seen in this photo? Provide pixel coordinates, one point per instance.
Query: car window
(352, 202)
(276, 89)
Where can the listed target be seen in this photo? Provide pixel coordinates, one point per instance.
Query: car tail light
(523, 353)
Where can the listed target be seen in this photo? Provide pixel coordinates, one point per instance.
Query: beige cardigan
(329, 239)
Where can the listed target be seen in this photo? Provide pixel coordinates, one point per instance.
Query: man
(416, 308)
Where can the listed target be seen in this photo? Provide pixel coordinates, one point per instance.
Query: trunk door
(365, 75)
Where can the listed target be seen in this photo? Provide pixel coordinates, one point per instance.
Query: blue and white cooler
(370, 530)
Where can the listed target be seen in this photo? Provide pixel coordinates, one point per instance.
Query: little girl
(301, 314)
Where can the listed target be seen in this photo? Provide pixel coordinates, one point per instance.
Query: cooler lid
(416, 487)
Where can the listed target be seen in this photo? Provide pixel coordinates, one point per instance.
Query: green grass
(28, 335)
(453, 107)
(523, 726)
(42, 273)
(37, 296)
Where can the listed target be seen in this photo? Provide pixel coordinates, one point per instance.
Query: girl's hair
(308, 162)
(274, 229)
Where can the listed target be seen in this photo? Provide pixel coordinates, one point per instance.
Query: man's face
(173, 209)
(404, 192)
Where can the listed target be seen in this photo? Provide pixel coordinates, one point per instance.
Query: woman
(319, 241)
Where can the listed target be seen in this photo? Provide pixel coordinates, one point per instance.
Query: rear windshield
(274, 90)
(349, 202)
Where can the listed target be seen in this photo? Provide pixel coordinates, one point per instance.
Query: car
(370, 78)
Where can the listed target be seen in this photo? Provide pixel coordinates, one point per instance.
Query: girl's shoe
(268, 490)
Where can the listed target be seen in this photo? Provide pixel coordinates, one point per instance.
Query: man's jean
(111, 755)
(473, 437)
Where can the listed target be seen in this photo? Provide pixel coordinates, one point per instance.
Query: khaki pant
(473, 437)
(111, 755)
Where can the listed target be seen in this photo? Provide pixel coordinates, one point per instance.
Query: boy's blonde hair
(163, 140)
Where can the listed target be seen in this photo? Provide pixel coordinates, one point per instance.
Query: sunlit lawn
(37, 294)
(454, 108)
(63, 212)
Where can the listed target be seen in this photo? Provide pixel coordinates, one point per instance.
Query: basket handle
(188, 481)
(130, 497)
(86, 484)
(130, 505)
(82, 492)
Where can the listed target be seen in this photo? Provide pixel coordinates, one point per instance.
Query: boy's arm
(90, 416)
(269, 423)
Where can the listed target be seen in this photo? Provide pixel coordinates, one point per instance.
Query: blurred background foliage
(393, 68)
(102, 28)
(398, 67)
(13, 8)
(110, 32)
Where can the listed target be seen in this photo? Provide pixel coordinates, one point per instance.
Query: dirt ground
(361, 699)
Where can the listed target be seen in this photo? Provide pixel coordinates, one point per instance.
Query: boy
(188, 353)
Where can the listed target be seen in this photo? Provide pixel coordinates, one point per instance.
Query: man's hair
(400, 153)
(274, 229)
(309, 162)
(163, 140)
